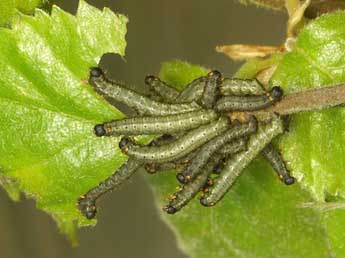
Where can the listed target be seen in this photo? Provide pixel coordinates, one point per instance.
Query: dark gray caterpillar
(193, 91)
(189, 191)
(139, 103)
(177, 165)
(236, 164)
(87, 202)
(278, 164)
(249, 103)
(181, 147)
(235, 146)
(236, 131)
(211, 89)
(241, 87)
(227, 151)
(168, 93)
(156, 125)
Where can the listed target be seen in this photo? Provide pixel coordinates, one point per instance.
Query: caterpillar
(87, 202)
(241, 87)
(188, 192)
(139, 103)
(197, 139)
(193, 91)
(156, 125)
(249, 103)
(235, 165)
(211, 89)
(182, 146)
(167, 92)
(236, 131)
(278, 164)
(178, 164)
(227, 151)
(234, 146)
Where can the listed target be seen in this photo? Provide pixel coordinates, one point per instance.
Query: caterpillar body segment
(234, 146)
(181, 147)
(249, 103)
(207, 150)
(178, 164)
(235, 165)
(275, 159)
(168, 93)
(87, 202)
(139, 103)
(193, 91)
(188, 192)
(211, 90)
(157, 125)
(241, 87)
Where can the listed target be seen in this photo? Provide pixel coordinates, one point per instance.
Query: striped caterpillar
(198, 140)
(235, 165)
(208, 149)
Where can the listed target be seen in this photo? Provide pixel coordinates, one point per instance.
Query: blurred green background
(159, 30)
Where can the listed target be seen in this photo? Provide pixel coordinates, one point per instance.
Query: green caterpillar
(249, 103)
(167, 92)
(235, 165)
(211, 147)
(87, 202)
(189, 191)
(235, 146)
(211, 89)
(156, 125)
(181, 147)
(139, 103)
(278, 164)
(240, 87)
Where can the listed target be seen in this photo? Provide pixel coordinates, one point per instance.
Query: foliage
(49, 152)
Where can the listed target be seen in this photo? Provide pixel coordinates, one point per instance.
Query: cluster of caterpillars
(206, 134)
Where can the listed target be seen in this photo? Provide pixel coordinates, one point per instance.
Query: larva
(227, 151)
(167, 92)
(240, 87)
(236, 131)
(141, 104)
(278, 164)
(193, 91)
(211, 90)
(188, 192)
(249, 103)
(177, 165)
(87, 202)
(182, 146)
(156, 125)
(236, 164)
(235, 146)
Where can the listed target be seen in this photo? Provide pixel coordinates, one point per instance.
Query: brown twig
(304, 101)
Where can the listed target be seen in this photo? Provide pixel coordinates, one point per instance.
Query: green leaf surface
(314, 148)
(8, 8)
(48, 111)
(260, 217)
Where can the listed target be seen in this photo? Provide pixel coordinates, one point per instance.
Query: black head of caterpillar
(99, 130)
(276, 93)
(96, 72)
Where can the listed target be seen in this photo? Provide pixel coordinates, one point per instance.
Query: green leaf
(314, 147)
(48, 111)
(8, 8)
(260, 217)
